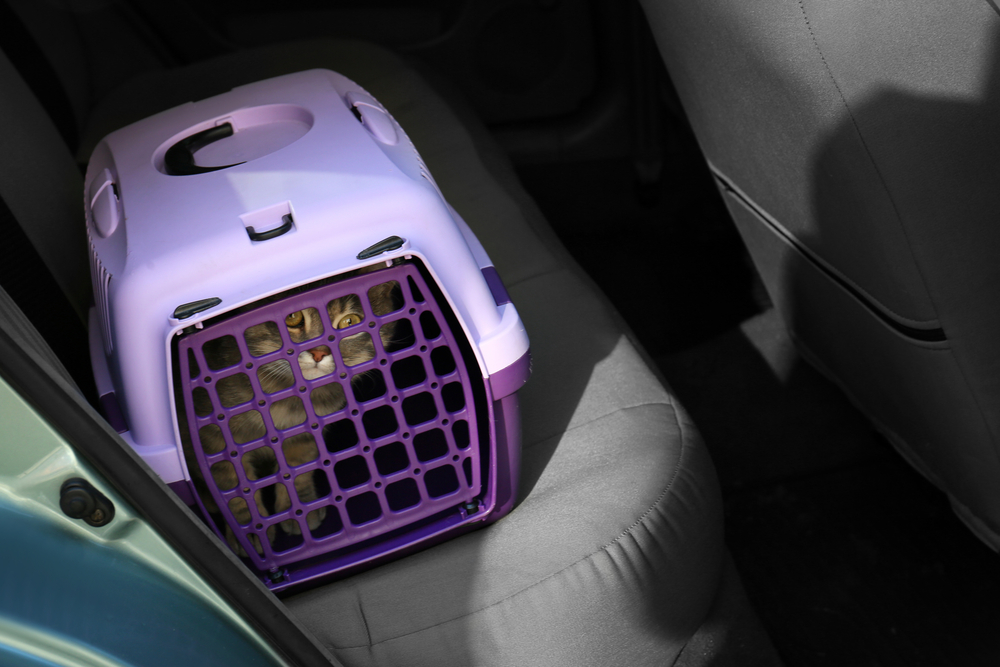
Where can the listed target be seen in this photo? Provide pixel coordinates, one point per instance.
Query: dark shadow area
(765, 414)
(848, 555)
(667, 254)
(865, 565)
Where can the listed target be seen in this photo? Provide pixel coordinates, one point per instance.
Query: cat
(315, 362)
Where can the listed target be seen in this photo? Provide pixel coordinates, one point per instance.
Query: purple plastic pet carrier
(212, 227)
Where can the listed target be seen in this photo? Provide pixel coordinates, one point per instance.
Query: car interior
(750, 244)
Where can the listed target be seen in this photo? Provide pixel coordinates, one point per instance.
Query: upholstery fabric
(20, 329)
(42, 187)
(614, 553)
(864, 135)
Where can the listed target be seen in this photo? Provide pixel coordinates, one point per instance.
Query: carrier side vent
(423, 167)
(420, 161)
(102, 282)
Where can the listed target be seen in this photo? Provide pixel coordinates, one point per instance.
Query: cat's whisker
(278, 372)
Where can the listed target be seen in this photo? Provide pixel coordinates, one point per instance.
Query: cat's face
(305, 325)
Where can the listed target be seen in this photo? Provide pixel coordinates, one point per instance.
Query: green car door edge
(74, 594)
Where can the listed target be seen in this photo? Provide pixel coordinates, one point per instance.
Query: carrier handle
(286, 225)
(179, 160)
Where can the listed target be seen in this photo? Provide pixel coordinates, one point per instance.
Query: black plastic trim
(385, 245)
(284, 227)
(933, 335)
(186, 310)
(179, 160)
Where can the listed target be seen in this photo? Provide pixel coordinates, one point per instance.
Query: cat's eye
(295, 319)
(348, 320)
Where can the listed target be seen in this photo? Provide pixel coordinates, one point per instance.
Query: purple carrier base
(353, 544)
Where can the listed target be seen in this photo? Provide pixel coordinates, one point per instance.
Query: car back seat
(855, 145)
(614, 554)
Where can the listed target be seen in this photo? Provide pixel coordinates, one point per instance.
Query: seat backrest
(56, 60)
(73, 52)
(44, 247)
(856, 145)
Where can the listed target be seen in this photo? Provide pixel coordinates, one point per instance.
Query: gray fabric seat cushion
(614, 553)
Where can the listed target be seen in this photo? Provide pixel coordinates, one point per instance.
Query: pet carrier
(295, 330)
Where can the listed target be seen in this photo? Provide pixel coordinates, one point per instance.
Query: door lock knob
(78, 499)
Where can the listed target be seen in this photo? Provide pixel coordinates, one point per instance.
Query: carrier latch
(385, 245)
(186, 310)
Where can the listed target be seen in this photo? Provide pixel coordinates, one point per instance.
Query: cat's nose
(318, 353)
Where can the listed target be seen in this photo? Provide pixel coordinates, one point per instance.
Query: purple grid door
(403, 448)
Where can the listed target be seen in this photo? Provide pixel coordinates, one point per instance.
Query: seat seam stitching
(559, 268)
(767, 219)
(871, 159)
(899, 220)
(597, 419)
